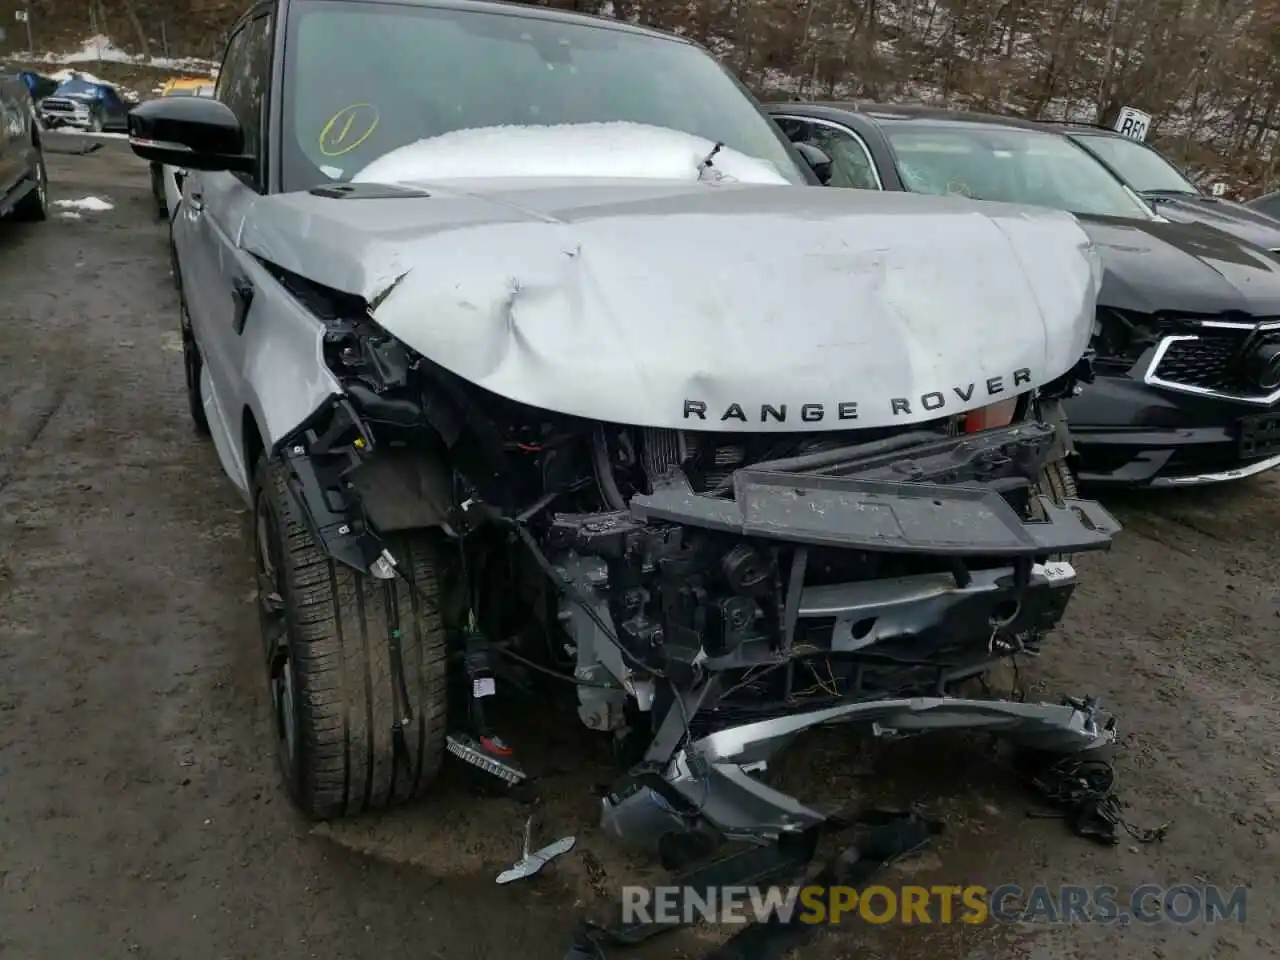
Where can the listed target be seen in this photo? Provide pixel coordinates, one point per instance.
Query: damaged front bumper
(880, 515)
(1000, 583)
(835, 554)
(861, 585)
(1131, 433)
(712, 778)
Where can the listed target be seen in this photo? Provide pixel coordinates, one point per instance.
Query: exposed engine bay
(709, 594)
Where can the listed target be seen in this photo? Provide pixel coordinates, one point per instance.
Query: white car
(526, 341)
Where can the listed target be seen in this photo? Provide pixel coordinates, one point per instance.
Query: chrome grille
(1209, 361)
(1201, 362)
(58, 106)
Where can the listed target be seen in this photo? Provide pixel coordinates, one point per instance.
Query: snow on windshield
(616, 149)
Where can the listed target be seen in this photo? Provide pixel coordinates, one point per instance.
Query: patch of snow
(70, 215)
(1077, 110)
(616, 149)
(782, 82)
(101, 49)
(100, 135)
(68, 74)
(94, 204)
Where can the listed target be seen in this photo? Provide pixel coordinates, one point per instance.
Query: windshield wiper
(1171, 193)
(710, 157)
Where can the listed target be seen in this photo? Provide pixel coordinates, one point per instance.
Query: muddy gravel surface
(140, 812)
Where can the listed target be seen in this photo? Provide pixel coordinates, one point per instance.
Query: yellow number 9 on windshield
(348, 128)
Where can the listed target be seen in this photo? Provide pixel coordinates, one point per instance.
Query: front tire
(193, 368)
(157, 191)
(192, 362)
(34, 207)
(327, 633)
(1058, 482)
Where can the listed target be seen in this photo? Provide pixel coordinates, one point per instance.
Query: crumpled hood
(707, 306)
(1188, 268)
(1226, 215)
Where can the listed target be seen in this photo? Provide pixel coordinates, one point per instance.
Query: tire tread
(1058, 483)
(30, 209)
(341, 623)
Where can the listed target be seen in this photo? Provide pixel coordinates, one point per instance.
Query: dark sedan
(1154, 177)
(1188, 334)
(1268, 204)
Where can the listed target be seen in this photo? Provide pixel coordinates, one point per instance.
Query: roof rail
(1077, 123)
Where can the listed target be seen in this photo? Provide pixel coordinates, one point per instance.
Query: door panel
(227, 200)
(224, 268)
(11, 151)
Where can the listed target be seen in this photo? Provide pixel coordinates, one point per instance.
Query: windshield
(362, 79)
(1008, 164)
(1139, 166)
(81, 88)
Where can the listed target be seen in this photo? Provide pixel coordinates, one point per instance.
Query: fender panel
(286, 379)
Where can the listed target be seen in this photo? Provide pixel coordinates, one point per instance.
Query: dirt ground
(140, 814)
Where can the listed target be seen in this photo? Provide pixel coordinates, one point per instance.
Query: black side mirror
(817, 160)
(192, 132)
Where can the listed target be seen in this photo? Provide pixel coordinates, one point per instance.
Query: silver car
(166, 180)
(544, 369)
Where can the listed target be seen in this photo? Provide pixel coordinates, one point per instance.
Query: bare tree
(1219, 109)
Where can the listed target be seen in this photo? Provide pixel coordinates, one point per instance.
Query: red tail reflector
(996, 415)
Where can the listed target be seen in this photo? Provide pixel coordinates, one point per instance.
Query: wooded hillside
(1207, 70)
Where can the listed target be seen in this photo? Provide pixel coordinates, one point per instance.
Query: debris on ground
(532, 861)
(1083, 789)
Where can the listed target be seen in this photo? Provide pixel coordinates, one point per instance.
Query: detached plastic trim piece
(883, 515)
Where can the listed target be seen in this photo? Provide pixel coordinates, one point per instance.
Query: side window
(245, 77)
(1268, 204)
(230, 64)
(795, 130)
(850, 159)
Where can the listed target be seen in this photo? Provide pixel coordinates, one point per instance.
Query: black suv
(24, 184)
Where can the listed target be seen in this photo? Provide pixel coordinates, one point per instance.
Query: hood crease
(737, 308)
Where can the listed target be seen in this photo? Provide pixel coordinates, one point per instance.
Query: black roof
(1079, 128)
(911, 111)
(919, 111)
